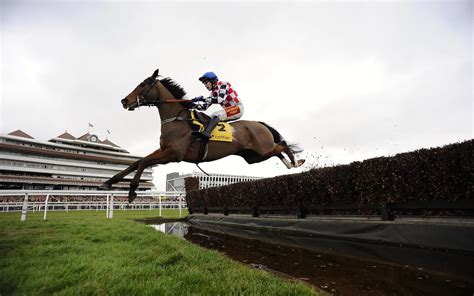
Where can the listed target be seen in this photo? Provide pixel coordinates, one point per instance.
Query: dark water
(338, 274)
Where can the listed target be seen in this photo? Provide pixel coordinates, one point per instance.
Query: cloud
(345, 80)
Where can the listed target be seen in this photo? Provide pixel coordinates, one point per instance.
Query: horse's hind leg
(294, 163)
(252, 156)
(278, 151)
(285, 161)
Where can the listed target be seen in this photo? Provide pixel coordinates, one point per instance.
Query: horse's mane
(175, 89)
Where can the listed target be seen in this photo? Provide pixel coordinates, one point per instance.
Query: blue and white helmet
(208, 76)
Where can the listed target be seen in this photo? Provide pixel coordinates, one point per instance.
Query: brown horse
(252, 140)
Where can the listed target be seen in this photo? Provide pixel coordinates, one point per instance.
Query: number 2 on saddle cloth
(222, 132)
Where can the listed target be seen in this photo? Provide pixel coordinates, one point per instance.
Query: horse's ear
(155, 74)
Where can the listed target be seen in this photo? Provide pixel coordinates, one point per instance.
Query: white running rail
(100, 200)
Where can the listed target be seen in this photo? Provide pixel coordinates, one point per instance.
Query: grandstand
(63, 163)
(175, 181)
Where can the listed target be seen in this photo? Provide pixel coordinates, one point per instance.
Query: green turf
(84, 253)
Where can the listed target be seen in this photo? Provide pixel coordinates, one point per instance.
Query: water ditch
(337, 270)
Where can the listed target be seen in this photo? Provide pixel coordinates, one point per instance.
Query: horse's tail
(278, 139)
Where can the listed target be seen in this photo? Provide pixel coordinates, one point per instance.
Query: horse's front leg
(160, 156)
(107, 185)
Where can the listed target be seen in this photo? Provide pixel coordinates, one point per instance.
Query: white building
(175, 181)
(64, 163)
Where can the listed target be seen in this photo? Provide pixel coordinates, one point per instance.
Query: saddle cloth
(221, 133)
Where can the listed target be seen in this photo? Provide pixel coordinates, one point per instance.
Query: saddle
(221, 133)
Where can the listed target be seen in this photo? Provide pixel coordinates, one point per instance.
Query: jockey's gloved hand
(198, 99)
(208, 100)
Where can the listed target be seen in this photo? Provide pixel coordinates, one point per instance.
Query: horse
(252, 140)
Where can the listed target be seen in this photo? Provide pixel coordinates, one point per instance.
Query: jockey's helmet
(208, 76)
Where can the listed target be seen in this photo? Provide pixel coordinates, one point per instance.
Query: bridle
(142, 101)
(142, 96)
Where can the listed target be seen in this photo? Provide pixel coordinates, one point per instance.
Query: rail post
(24, 209)
(159, 201)
(111, 211)
(107, 206)
(46, 207)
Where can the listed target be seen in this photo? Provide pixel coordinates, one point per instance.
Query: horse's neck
(168, 110)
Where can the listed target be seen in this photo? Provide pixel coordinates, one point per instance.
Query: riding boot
(206, 134)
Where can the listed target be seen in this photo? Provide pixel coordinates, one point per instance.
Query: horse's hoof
(131, 196)
(300, 162)
(104, 187)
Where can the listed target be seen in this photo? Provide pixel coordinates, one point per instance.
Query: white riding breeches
(231, 113)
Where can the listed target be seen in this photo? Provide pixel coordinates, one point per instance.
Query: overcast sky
(347, 80)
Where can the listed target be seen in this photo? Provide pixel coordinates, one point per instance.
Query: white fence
(154, 200)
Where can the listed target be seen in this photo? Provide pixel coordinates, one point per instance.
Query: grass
(82, 252)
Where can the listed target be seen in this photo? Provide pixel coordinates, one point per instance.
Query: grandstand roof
(84, 137)
(67, 138)
(107, 142)
(66, 135)
(20, 133)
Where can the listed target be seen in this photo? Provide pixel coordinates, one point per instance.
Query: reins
(177, 101)
(142, 101)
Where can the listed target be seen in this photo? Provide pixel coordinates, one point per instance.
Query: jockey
(223, 94)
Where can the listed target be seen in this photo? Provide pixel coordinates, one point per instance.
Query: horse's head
(145, 94)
